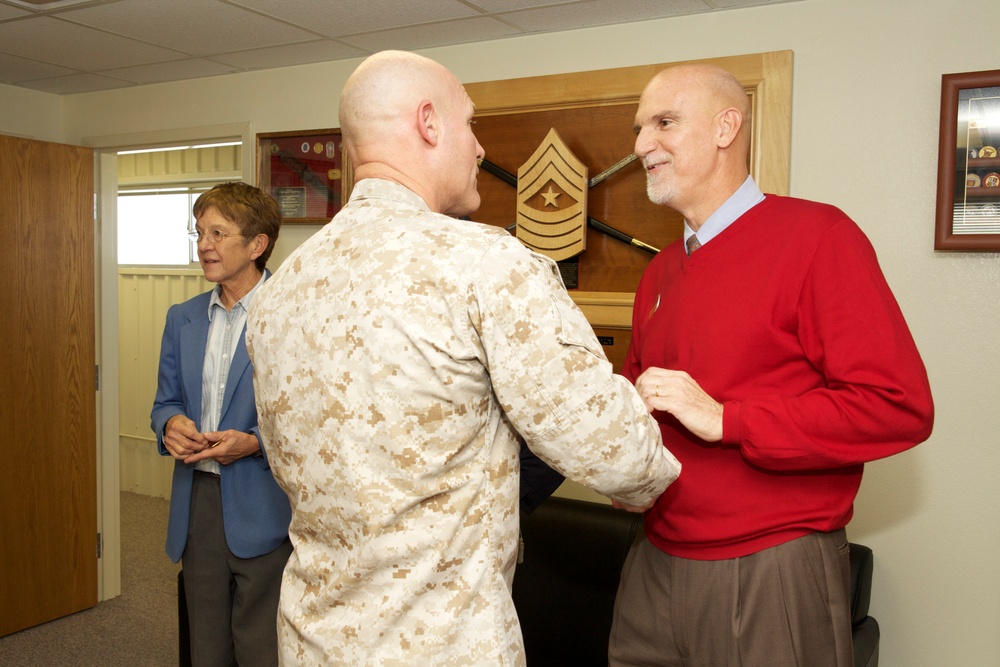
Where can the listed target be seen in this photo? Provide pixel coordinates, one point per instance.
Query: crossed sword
(511, 179)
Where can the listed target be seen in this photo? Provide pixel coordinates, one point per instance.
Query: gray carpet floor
(136, 629)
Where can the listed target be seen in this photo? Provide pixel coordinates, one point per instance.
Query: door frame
(106, 317)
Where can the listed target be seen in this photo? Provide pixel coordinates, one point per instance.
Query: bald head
(693, 135)
(406, 118)
(385, 90)
(715, 88)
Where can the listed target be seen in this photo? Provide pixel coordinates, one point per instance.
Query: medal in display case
(305, 171)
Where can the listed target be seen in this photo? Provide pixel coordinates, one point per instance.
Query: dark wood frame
(945, 237)
(340, 185)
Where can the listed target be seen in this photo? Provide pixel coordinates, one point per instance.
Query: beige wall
(31, 114)
(865, 127)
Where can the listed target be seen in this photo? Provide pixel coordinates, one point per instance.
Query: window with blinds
(157, 189)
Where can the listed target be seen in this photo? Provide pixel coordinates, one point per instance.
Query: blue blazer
(255, 511)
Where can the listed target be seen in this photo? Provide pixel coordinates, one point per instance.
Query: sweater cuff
(732, 425)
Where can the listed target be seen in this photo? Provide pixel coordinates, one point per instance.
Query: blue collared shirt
(224, 333)
(745, 198)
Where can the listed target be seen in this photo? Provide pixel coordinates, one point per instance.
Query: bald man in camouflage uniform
(400, 354)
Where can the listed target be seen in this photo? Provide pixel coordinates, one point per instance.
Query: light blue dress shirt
(745, 198)
(224, 332)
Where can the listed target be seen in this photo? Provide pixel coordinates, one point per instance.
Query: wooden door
(48, 497)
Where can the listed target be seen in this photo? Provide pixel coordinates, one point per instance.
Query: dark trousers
(232, 602)
(787, 606)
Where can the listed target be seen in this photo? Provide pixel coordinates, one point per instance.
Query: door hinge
(97, 377)
(100, 546)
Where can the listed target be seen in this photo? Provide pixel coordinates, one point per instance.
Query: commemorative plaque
(304, 172)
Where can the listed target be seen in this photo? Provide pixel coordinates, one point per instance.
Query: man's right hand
(632, 508)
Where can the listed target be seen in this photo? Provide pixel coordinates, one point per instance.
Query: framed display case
(305, 172)
(968, 192)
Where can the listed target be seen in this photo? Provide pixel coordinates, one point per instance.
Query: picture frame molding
(945, 237)
(264, 181)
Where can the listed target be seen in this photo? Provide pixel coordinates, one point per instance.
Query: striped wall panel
(144, 295)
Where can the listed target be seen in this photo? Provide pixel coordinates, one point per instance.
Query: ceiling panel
(15, 68)
(54, 41)
(290, 54)
(78, 83)
(75, 46)
(191, 68)
(194, 27)
(347, 17)
(451, 32)
(598, 12)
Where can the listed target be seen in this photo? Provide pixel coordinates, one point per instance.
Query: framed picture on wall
(968, 191)
(305, 172)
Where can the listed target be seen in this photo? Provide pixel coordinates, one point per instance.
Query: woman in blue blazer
(228, 517)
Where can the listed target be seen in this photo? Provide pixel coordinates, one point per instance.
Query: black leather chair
(865, 628)
(564, 589)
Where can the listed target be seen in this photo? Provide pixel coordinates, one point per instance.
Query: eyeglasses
(213, 236)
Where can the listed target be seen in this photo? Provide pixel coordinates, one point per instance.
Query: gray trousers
(787, 606)
(232, 602)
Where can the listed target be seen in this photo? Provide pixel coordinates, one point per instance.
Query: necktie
(692, 243)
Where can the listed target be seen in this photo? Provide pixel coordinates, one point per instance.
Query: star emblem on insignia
(550, 197)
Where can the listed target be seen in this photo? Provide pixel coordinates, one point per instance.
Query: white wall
(30, 114)
(865, 128)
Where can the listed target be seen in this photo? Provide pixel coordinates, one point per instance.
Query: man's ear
(428, 123)
(729, 121)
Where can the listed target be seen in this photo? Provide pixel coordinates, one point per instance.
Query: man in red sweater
(777, 362)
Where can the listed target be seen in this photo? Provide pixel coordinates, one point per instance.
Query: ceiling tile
(48, 5)
(8, 12)
(292, 54)
(194, 27)
(435, 34)
(75, 83)
(146, 39)
(14, 69)
(70, 45)
(598, 12)
(192, 68)
(346, 17)
(736, 4)
(495, 6)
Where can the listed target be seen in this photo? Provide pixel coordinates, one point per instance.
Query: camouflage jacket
(398, 355)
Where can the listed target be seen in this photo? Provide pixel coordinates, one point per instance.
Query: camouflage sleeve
(555, 384)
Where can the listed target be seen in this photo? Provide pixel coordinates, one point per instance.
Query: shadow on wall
(892, 491)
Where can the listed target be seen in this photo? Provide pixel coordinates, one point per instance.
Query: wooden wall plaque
(594, 113)
(559, 233)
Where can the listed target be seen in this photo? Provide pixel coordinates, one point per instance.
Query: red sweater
(786, 319)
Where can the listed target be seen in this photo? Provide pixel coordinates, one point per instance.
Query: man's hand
(632, 508)
(675, 392)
